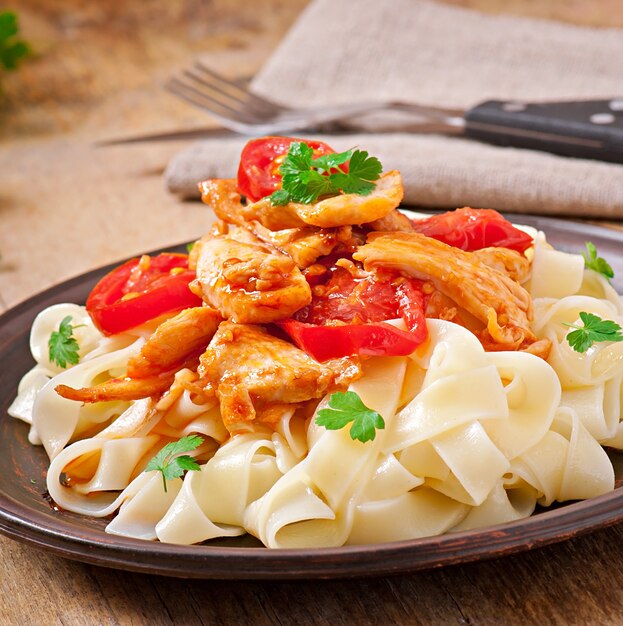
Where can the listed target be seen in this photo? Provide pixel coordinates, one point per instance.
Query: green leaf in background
(11, 49)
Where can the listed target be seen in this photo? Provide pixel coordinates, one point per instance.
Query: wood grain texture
(99, 74)
(578, 582)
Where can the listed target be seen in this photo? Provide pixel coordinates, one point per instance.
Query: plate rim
(93, 545)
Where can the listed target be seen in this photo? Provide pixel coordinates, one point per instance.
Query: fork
(239, 109)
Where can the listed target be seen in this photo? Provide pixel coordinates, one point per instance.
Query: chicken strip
(185, 333)
(223, 196)
(126, 388)
(249, 368)
(304, 245)
(175, 344)
(349, 208)
(394, 221)
(491, 296)
(341, 210)
(511, 262)
(120, 389)
(516, 265)
(248, 283)
(277, 226)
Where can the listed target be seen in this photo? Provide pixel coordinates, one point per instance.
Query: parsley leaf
(11, 50)
(348, 407)
(594, 330)
(189, 247)
(305, 179)
(594, 262)
(280, 197)
(62, 345)
(328, 162)
(363, 170)
(170, 464)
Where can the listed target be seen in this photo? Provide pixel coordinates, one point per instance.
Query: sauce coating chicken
(176, 338)
(490, 295)
(248, 283)
(278, 226)
(344, 209)
(347, 208)
(175, 344)
(251, 371)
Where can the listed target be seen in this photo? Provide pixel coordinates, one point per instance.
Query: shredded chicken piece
(223, 196)
(176, 343)
(248, 283)
(394, 222)
(125, 388)
(173, 340)
(511, 262)
(341, 210)
(500, 303)
(249, 368)
(540, 348)
(303, 245)
(348, 208)
(276, 226)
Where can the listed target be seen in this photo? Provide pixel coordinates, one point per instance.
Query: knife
(590, 129)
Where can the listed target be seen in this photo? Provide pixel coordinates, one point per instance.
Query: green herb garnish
(170, 464)
(11, 49)
(594, 330)
(348, 407)
(305, 179)
(62, 345)
(594, 262)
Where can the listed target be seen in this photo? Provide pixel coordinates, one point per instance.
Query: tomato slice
(140, 290)
(364, 300)
(473, 229)
(363, 305)
(330, 342)
(258, 172)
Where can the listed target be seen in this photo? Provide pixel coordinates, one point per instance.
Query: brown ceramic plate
(26, 515)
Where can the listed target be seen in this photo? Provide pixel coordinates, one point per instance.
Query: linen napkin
(416, 50)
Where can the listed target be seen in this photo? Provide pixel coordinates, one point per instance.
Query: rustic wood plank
(576, 582)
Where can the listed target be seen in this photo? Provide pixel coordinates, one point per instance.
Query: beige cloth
(348, 50)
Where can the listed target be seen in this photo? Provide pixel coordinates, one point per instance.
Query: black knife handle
(591, 129)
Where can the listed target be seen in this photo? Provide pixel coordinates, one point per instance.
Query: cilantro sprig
(305, 178)
(594, 330)
(347, 407)
(172, 461)
(11, 49)
(62, 345)
(593, 261)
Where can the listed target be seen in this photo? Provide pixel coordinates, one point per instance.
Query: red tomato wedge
(258, 172)
(363, 300)
(330, 342)
(363, 304)
(473, 229)
(141, 290)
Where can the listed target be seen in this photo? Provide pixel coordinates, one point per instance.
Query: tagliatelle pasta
(490, 413)
(483, 438)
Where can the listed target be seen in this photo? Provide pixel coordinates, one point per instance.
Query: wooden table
(66, 207)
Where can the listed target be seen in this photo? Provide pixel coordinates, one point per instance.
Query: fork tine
(203, 101)
(221, 83)
(227, 99)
